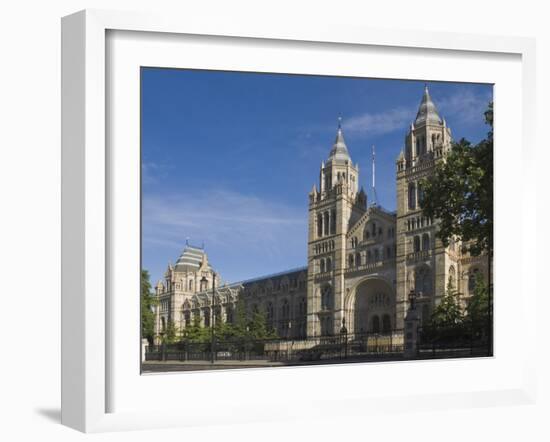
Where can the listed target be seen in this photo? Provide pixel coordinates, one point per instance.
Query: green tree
(448, 312)
(195, 333)
(477, 312)
(170, 335)
(460, 193)
(258, 327)
(148, 301)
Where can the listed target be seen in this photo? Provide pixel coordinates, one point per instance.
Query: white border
(84, 281)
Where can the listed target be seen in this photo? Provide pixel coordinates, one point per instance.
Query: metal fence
(459, 341)
(343, 346)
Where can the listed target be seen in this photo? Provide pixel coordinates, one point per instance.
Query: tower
(422, 262)
(333, 208)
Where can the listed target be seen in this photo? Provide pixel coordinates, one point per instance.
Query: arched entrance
(370, 307)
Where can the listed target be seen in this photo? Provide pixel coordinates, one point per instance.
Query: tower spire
(339, 151)
(427, 111)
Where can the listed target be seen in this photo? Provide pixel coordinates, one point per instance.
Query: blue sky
(228, 158)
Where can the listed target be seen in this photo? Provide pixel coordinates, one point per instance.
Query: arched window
(319, 226)
(357, 259)
(425, 241)
(452, 278)
(326, 222)
(333, 222)
(472, 278)
(416, 244)
(375, 326)
(412, 196)
(190, 285)
(420, 195)
(269, 315)
(329, 265)
(423, 281)
(350, 260)
(376, 255)
(373, 229)
(186, 319)
(326, 298)
(386, 323)
(284, 323)
(322, 266)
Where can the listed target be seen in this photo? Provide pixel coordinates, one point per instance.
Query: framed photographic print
(288, 218)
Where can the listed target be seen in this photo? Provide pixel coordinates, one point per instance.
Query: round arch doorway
(371, 307)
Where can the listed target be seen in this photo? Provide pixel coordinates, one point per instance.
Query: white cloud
(151, 171)
(229, 221)
(380, 123)
(465, 107)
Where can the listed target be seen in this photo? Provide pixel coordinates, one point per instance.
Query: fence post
(411, 329)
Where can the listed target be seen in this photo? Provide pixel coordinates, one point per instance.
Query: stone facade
(362, 259)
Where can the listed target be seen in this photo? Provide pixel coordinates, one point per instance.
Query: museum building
(362, 259)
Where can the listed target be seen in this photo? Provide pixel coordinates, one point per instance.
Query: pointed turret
(339, 151)
(427, 112)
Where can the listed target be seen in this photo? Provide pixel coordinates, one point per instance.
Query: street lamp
(412, 300)
(344, 334)
(213, 315)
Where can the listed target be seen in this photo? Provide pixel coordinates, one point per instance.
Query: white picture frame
(87, 355)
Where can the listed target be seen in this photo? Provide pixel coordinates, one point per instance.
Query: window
(386, 323)
(420, 195)
(388, 252)
(326, 222)
(229, 314)
(357, 259)
(322, 266)
(207, 317)
(319, 226)
(416, 244)
(425, 241)
(187, 319)
(326, 298)
(472, 278)
(373, 229)
(412, 196)
(329, 265)
(452, 278)
(350, 260)
(333, 222)
(375, 325)
(423, 281)
(269, 315)
(376, 255)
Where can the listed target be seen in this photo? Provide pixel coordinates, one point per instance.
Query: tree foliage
(478, 309)
(448, 312)
(147, 302)
(460, 193)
